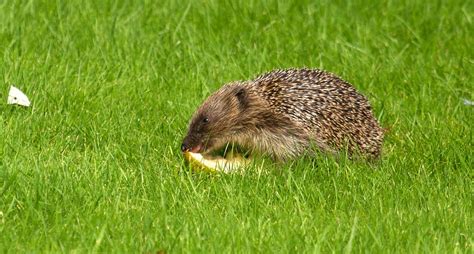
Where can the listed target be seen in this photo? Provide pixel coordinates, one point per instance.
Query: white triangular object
(468, 102)
(17, 97)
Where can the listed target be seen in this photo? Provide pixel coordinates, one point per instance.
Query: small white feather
(17, 97)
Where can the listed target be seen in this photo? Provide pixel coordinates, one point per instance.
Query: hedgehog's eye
(205, 120)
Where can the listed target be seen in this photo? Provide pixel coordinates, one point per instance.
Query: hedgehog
(286, 114)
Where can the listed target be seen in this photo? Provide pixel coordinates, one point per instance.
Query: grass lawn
(94, 164)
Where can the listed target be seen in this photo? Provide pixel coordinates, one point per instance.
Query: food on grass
(206, 163)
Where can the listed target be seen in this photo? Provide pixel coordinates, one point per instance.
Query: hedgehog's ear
(242, 97)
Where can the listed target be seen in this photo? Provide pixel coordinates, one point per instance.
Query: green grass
(94, 164)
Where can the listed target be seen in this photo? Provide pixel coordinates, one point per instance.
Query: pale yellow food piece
(215, 164)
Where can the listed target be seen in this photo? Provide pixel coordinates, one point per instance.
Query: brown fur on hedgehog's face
(217, 120)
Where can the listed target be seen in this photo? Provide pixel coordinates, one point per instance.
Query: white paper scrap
(468, 102)
(17, 97)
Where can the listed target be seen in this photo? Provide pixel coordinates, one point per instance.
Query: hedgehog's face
(217, 120)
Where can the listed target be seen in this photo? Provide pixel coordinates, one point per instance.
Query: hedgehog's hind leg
(319, 146)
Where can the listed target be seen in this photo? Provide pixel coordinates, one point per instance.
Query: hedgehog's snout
(190, 144)
(184, 148)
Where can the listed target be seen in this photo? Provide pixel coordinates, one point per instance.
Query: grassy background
(94, 164)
